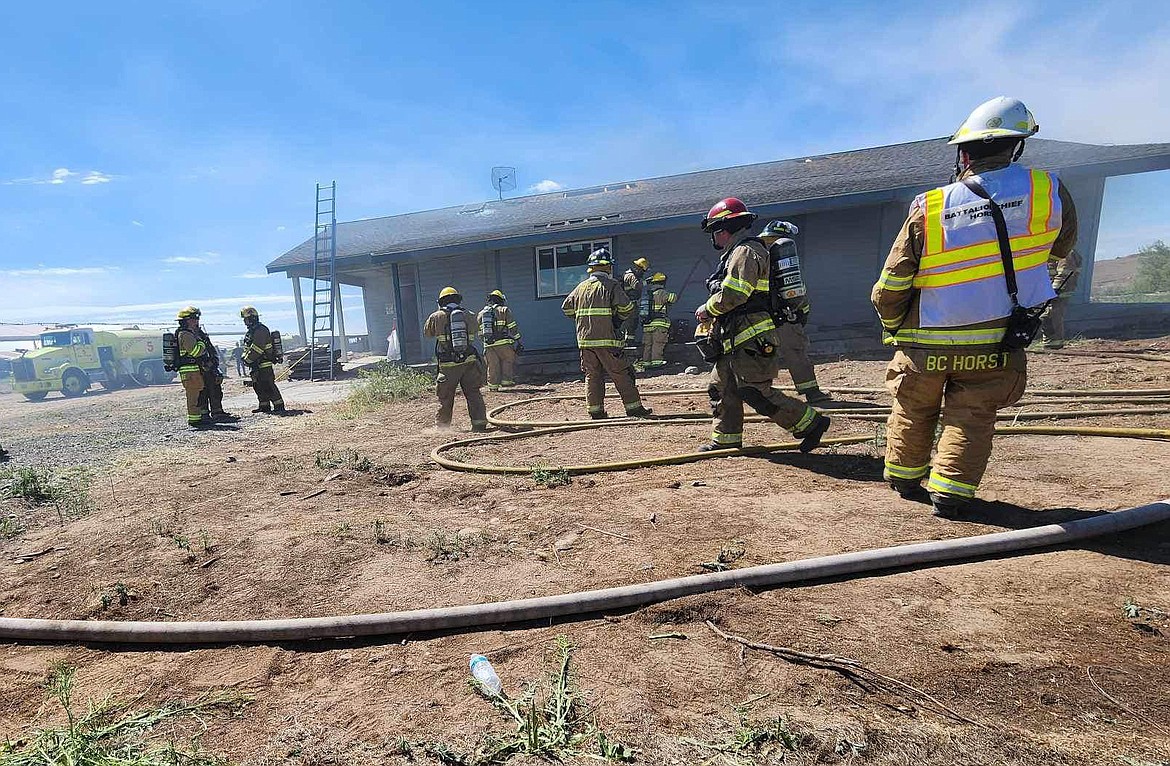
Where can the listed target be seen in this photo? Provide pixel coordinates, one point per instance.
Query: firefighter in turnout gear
(944, 304)
(654, 310)
(778, 236)
(634, 284)
(501, 338)
(193, 355)
(1064, 274)
(260, 356)
(211, 399)
(600, 307)
(741, 307)
(453, 328)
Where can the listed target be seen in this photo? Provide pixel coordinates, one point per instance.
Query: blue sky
(159, 154)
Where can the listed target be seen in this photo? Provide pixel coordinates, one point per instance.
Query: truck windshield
(55, 339)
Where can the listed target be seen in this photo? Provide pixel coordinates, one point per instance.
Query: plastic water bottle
(482, 671)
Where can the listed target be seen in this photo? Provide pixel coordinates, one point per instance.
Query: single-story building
(849, 206)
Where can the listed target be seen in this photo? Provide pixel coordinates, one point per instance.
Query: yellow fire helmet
(188, 312)
(1001, 117)
(658, 277)
(449, 292)
(642, 264)
(249, 311)
(498, 294)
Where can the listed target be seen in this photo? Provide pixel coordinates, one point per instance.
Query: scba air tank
(790, 282)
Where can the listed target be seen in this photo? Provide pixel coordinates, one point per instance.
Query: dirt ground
(214, 526)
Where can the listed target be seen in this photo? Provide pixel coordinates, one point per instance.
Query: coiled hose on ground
(526, 429)
(859, 563)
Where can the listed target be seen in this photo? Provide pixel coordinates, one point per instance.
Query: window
(560, 268)
(50, 339)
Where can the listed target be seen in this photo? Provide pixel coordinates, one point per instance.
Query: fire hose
(854, 564)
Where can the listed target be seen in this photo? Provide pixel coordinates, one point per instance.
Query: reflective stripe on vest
(960, 276)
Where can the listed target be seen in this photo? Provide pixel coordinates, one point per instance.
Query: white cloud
(252, 275)
(61, 176)
(136, 223)
(54, 271)
(280, 228)
(545, 186)
(205, 259)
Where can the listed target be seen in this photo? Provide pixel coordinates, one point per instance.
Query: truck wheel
(36, 396)
(74, 383)
(148, 374)
(113, 380)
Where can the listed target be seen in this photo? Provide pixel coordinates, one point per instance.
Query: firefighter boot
(599, 415)
(3, 455)
(816, 396)
(909, 489)
(639, 412)
(203, 424)
(225, 417)
(949, 506)
(715, 446)
(278, 409)
(811, 439)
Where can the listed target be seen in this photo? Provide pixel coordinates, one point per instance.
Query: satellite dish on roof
(503, 179)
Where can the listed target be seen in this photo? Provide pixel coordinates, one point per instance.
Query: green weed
(386, 383)
(752, 741)
(343, 457)
(728, 554)
(10, 527)
(553, 723)
(551, 477)
(107, 733)
(66, 489)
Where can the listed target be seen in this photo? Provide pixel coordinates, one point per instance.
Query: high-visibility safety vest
(960, 277)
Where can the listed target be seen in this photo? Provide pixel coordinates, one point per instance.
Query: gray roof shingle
(619, 205)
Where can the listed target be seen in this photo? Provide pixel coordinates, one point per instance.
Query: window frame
(593, 244)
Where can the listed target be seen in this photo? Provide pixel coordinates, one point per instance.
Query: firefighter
(943, 302)
(633, 284)
(453, 328)
(654, 309)
(191, 362)
(741, 308)
(600, 307)
(211, 399)
(778, 237)
(260, 356)
(501, 339)
(1064, 274)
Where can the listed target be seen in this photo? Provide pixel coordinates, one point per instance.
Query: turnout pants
(467, 376)
(193, 389)
(1052, 323)
(501, 365)
(211, 400)
(654, 345)
(958, 390)
(597, 363)
(745, 375)
(264, 384)
(794, 350)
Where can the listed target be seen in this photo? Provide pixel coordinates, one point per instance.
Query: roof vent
(578, 221)
(598, 190)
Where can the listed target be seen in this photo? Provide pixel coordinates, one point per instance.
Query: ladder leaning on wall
(324, 287)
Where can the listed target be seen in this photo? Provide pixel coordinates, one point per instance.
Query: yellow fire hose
(528, 429)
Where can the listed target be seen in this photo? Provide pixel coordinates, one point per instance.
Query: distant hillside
(1114, 275)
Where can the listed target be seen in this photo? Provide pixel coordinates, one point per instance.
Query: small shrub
(10, 527)
(32, 485)
(385, 383)
(107, 733)
(66, 489)
(551, 477)
(553, 723)
(343, 457)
